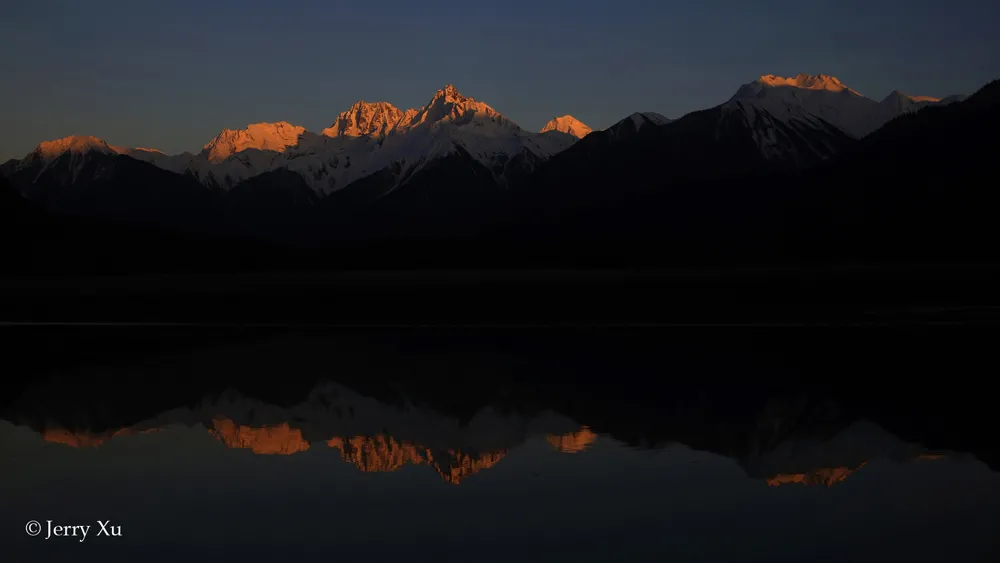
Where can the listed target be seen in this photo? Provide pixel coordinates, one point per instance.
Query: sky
(171, 74)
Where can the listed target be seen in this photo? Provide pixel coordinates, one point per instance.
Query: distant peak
(275, 136)
(569, 125)
(902, 99)
(916, 98)
(806, 82)
(134, 150)
(640, 119)
(76, 144)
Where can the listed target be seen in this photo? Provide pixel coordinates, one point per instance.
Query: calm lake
(319, 446)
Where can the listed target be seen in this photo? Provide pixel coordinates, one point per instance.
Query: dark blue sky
(171, 74)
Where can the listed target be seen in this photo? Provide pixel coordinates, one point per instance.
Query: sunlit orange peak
(263, 136)
(569, 125)
(806, 81)
(78, 144)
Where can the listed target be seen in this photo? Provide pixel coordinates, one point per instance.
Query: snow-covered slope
(805, 98)
(569, 125)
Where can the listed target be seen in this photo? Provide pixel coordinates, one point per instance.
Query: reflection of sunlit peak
(573, 442)
(930, 456)
(379, 454)
(72, 439)
(464, 465)
(280, 439)
(83, 439)
(828, 476)
(384, 454)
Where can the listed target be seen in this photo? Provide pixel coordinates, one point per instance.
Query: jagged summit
(448, 105)
(368, 118)
(262, 136)
(569, 125)
(449, 91)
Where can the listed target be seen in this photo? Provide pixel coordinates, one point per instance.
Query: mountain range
(458, 170)
(374, 136)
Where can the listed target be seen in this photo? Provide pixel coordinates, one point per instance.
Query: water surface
(349, 471)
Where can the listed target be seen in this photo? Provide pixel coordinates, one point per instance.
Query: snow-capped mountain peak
(795, 87)
(805, 98)
(806, 82)
(76, 144)
(449, 93)
(450, 106)
(569, 125)
(262, 136)
(368, 119)
(807, 102)
(81, 150)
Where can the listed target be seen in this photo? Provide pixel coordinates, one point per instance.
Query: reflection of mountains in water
(376, 437)
(372, 436)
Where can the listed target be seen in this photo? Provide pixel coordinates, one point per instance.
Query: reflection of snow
(573, 442)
